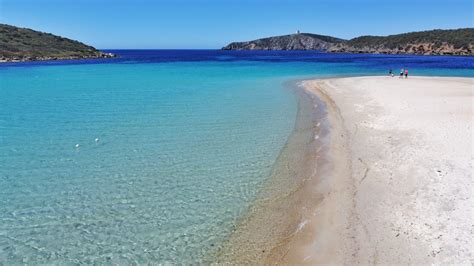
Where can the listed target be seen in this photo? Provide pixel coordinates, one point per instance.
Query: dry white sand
(403, 194)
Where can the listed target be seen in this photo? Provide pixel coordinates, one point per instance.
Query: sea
(156, 155)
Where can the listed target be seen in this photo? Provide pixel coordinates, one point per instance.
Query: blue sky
(214, 23)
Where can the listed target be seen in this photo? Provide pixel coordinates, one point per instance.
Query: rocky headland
(21, 44)
(433, 42)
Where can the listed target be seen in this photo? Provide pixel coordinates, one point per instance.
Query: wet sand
(377, 171)
(403, 188)
(290, 195)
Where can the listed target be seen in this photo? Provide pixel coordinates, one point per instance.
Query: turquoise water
(183, 148)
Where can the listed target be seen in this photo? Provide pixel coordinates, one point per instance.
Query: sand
(402, 174)
(289, 196)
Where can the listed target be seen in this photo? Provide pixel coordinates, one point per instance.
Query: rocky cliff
(434, 42)
(21, 44)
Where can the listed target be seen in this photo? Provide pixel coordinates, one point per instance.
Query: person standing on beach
(401, 73)
(406, 73)
(390, 72)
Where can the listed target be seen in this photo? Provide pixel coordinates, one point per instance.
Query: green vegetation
(324, 38)
(459, 38)
(433, 42)
(20, 44)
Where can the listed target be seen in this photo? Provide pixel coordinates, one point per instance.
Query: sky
(211, 24)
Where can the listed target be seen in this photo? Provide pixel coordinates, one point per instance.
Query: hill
(433, 42)
(301, 41)
(21, 44)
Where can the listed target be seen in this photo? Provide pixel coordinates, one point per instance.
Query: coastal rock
(411, 48)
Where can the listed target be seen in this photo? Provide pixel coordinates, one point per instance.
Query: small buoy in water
(96, 139)
(77, 145)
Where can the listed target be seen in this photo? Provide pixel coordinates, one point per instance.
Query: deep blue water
(185, 140)
(381, 63)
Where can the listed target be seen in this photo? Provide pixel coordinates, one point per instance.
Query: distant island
(433, 42)
(22, 44)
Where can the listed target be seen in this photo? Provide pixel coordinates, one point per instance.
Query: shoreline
(102, 55)
(271, 223)
(365, 192)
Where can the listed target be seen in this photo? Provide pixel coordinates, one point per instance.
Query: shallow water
(186, 139)
(288, 198)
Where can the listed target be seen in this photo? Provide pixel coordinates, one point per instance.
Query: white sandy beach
(402, 179)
